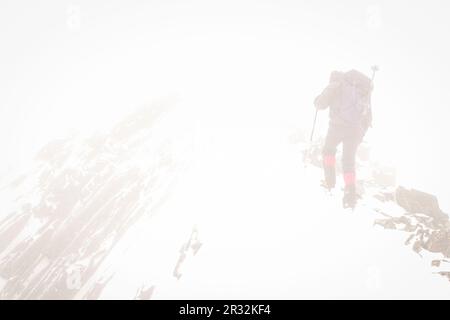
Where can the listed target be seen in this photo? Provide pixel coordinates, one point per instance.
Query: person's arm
(324, 100)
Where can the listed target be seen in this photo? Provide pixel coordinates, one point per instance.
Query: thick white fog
(243, 76)
(78, 64)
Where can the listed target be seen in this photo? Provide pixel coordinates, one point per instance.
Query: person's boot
(350, 197)
(329, 171)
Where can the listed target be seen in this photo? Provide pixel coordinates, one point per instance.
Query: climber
(348, 97)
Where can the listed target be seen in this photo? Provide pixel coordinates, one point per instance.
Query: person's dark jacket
(348, 97)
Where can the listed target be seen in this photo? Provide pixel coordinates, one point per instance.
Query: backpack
(353, 105)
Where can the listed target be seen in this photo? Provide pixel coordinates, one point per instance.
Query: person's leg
(332, 140)
(351, 141)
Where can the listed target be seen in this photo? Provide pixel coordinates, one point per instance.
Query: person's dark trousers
(350, 137)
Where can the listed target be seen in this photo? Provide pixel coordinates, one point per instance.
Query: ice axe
(374, 68)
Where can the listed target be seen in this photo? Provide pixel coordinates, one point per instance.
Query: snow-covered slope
(155, 209)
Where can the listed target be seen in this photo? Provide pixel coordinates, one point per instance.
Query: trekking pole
(307, 153)
(314, 126)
